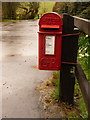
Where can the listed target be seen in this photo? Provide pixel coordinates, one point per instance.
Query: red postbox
(50, 41)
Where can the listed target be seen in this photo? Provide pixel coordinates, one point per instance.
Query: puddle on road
(11, 41)
(11, 24)
(5, 25)
(12, 55)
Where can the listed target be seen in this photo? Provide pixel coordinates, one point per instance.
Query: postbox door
(49, 51)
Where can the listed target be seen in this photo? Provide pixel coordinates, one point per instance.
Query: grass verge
(9, 20)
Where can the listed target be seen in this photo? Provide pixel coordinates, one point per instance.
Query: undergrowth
(84, 53)
(56, 83)
(79, 109)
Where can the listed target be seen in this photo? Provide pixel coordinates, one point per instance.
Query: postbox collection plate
(49, 45)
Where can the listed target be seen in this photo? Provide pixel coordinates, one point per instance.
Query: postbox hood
(51, 19)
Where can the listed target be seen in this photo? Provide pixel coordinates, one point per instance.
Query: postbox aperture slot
(50, 26)
(49, 45)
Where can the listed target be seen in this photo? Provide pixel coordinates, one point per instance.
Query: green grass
(46, 7)
(8, 20)
(79, 99)
(56, 82)
(83, 109)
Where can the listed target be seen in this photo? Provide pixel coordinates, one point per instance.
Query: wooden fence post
(84, 85)
(69, 55)
(84, 25)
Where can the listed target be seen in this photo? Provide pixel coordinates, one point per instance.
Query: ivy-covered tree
(28, 10)
(9, 9)
(20, 10)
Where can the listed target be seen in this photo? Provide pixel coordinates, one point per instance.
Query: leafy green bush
(83, 53)
(81, 9)
(86, 13)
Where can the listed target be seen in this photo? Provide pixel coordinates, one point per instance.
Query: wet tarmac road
(20, 76)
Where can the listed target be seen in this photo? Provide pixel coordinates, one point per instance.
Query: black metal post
(67, 81)
(69, 55)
